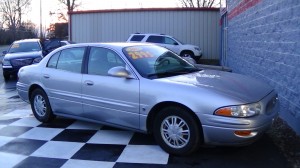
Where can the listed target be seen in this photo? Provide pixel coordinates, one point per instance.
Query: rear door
(109, 99)
(62, 79)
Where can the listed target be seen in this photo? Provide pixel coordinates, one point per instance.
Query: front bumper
(198, 54)
(218, 130)
(10, 70)
(226, 136)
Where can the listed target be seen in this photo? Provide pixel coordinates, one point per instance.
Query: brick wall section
(264, 42)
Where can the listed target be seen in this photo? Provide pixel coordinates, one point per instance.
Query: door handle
(46, 76)
(89, 83)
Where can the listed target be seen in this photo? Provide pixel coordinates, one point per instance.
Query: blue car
(26, 52)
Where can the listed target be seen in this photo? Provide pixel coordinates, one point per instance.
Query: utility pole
(41, 33)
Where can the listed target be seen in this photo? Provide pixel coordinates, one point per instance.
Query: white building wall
(194, 26)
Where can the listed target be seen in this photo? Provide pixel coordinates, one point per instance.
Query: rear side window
(155, 39)
(137, 38)
(71, 59)
(53, 60)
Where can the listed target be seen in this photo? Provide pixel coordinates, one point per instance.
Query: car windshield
(156, 62)
(24, 47)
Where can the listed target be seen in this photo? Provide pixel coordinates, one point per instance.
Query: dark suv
(26, 52)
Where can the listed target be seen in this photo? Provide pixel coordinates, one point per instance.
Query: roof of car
(113, 45)
(27, 40)
(157, 34)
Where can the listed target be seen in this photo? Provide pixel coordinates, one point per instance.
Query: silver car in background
(147, 88)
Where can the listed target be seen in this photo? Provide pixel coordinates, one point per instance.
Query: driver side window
(170, 41)
(101, 60)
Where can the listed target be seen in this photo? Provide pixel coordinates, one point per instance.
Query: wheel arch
(185, 50)
(155, 110)
(34, 87)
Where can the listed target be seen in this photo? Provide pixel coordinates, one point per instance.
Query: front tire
(177, 131)
(189, 56)
(40, 106)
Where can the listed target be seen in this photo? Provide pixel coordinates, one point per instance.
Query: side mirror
(4, 52)
(119, 71)
(176, 43)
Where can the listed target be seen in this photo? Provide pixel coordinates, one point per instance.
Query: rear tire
(6, 76)
(40, 106)
(177, 131)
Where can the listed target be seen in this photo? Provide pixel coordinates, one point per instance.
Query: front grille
(271, 104)
(21, 62)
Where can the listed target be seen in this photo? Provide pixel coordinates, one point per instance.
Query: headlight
(247, 110)
(37, 60)
(6, 63)
(196, 48)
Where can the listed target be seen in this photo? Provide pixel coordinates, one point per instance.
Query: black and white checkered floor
(25, 142)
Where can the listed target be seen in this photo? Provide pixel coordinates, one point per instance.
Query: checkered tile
(25, 142)
(68, 143)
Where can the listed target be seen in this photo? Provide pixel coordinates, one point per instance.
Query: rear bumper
(22, 92)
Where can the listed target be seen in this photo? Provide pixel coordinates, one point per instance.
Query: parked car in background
(51, 44)
(169, 42)
(147, 88)
(26, 52)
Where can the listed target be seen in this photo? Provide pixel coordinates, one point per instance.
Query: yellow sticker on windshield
(15, 46)
(132, 49)
(140, 54)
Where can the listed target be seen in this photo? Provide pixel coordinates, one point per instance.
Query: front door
(109, 99)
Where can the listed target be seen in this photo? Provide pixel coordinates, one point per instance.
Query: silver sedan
(147, 88)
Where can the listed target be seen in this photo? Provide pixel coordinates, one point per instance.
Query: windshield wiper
(163, 74)
(173, 73)
(193, 70)
(169, 73)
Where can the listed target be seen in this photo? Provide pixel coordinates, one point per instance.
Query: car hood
(23, 54)
(230, 84)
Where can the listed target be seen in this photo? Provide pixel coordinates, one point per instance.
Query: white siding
(190, 26)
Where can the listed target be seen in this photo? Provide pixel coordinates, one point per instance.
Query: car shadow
(263, 153)
(10, 84)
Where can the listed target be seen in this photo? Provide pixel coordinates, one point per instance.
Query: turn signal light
(224, 112)
(242, 133)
